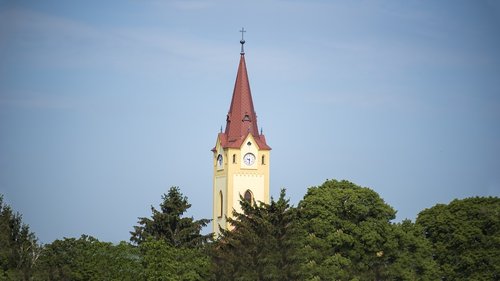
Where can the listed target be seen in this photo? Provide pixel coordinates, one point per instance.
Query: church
(241, 156)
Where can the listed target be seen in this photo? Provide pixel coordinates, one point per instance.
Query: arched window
(219, 160)
(263, 160)
(248, 196)
(234, 158)
(221, 203)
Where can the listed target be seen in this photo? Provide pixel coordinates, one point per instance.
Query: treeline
(338, 231)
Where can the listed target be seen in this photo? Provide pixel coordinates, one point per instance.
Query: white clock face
(249, 159)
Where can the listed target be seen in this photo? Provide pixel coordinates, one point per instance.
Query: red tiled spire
(241, 118)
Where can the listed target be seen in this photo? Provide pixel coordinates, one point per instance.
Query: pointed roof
(241, 118)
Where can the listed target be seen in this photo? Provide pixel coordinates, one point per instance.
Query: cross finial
(242, 41)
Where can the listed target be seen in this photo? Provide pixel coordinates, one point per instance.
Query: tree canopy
(171, 245)
(338, 231)
(87, 258)
(262, 244)
(162, 261)
(350, 236)
(19, 249)
(169, 224)
(465, 237)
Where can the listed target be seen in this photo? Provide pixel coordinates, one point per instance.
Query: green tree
(348, 232)
(410, 255)
(171, 246)
(465, 237)
(262, 244)
(87, 258)
(288, 238)
(164, 262)
(19, 250)
(169, 224)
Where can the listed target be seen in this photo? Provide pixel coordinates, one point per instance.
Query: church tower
(241, 155)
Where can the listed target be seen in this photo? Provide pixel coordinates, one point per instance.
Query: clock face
(249, 159)
(219, 160)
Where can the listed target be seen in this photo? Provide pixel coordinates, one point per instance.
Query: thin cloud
(31, 101)
(193, 4)
(67, 43)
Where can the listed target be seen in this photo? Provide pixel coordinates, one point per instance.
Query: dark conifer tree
(169, 224)
(262, 245)
(288, 238)
(19, 249)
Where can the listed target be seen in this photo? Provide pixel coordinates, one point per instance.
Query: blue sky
(106, 104)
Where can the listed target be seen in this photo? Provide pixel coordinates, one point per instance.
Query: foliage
(87, 258)
(287, 236)
(162, 261)
(465, 237)
(348, 229)
(263, 244)
(169, 225)
(170, 248)
(410, 255)
(19, 250)
(171, 245)
(350, 237)
(339, 231)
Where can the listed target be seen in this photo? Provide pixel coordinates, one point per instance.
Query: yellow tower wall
(233, 178)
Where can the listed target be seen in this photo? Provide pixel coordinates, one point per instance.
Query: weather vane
(242, 41)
